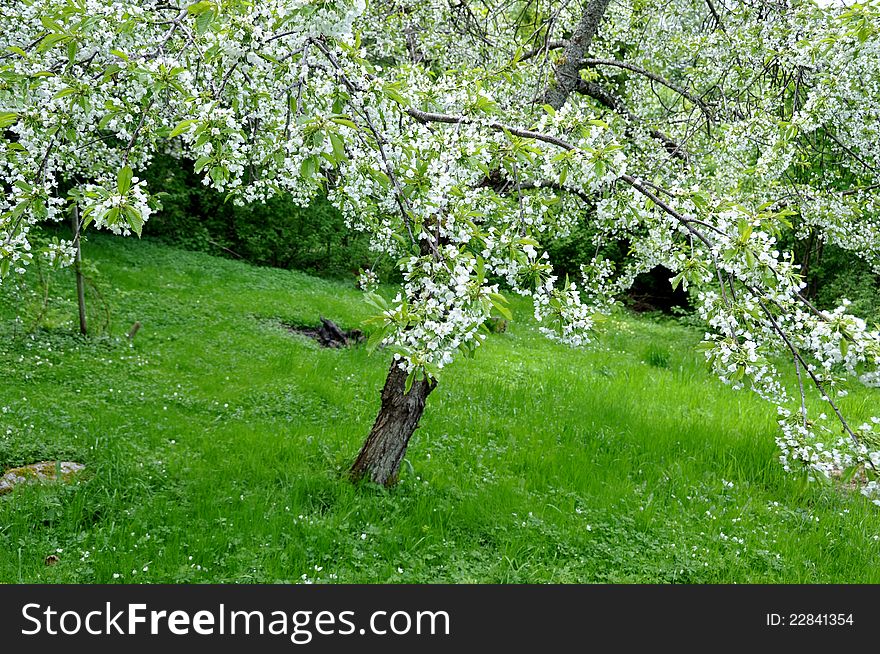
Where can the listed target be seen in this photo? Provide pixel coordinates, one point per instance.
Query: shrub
(277, 233)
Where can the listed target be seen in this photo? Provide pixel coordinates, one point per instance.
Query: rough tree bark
(380, 457)
(77, 266)
(568, 71)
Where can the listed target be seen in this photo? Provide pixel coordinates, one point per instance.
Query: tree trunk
(380, 457)
(77, 266)
(568, 71)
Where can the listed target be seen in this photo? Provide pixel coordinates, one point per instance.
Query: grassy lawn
(215, 445)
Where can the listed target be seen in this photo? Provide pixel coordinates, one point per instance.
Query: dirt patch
(328, 334)
(39, 472)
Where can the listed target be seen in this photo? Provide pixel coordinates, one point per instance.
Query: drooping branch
(616, 104)
(433, 117)
(798, 357)
(501, 186)
(683, 92)
(634, 182)
(862, 189)
(690, 224)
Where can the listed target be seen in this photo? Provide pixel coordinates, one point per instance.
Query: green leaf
(204, 20)
(219, 174)
(50, 24)
(123, 180)
(180, 128)
(110, 71)
(68, 90)
(199, 8)
(308, 167)
(7, 118)
(200, 164)
(134, 219)
(410, 378)
(395, 95)
(375, 340)
(50, 41)
(343, 120)
(677, 280)
(503, 310)
(377, 301)
(338, 146)
(380, 177)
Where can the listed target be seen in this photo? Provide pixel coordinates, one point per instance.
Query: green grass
(216, 443)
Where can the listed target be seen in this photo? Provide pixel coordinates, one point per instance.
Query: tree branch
(683, 92)
(715, 15)
(432, 117)
(500, 185)
(616, 104)
(402, 202)
(550, 45)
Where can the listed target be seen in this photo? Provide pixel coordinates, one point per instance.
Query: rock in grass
(39, 472)
(329, 334)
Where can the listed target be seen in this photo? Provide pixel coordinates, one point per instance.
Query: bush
(275, 233)
(568, 253)
(651, 291)
(841, 274)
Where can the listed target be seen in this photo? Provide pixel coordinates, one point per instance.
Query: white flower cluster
(368, 281)
(812, 445)
(441, 312)
(563, 316)
(61, 253)
(120, 213)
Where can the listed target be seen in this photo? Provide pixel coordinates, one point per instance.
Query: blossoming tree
(461, 134)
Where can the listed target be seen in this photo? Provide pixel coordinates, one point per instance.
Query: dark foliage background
(315, 239)
(278, 233)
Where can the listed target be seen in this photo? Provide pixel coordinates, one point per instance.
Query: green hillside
(216, 442)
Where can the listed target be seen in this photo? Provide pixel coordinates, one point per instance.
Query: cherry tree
(462, 134)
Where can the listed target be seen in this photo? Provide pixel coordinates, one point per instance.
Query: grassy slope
(215, 446)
